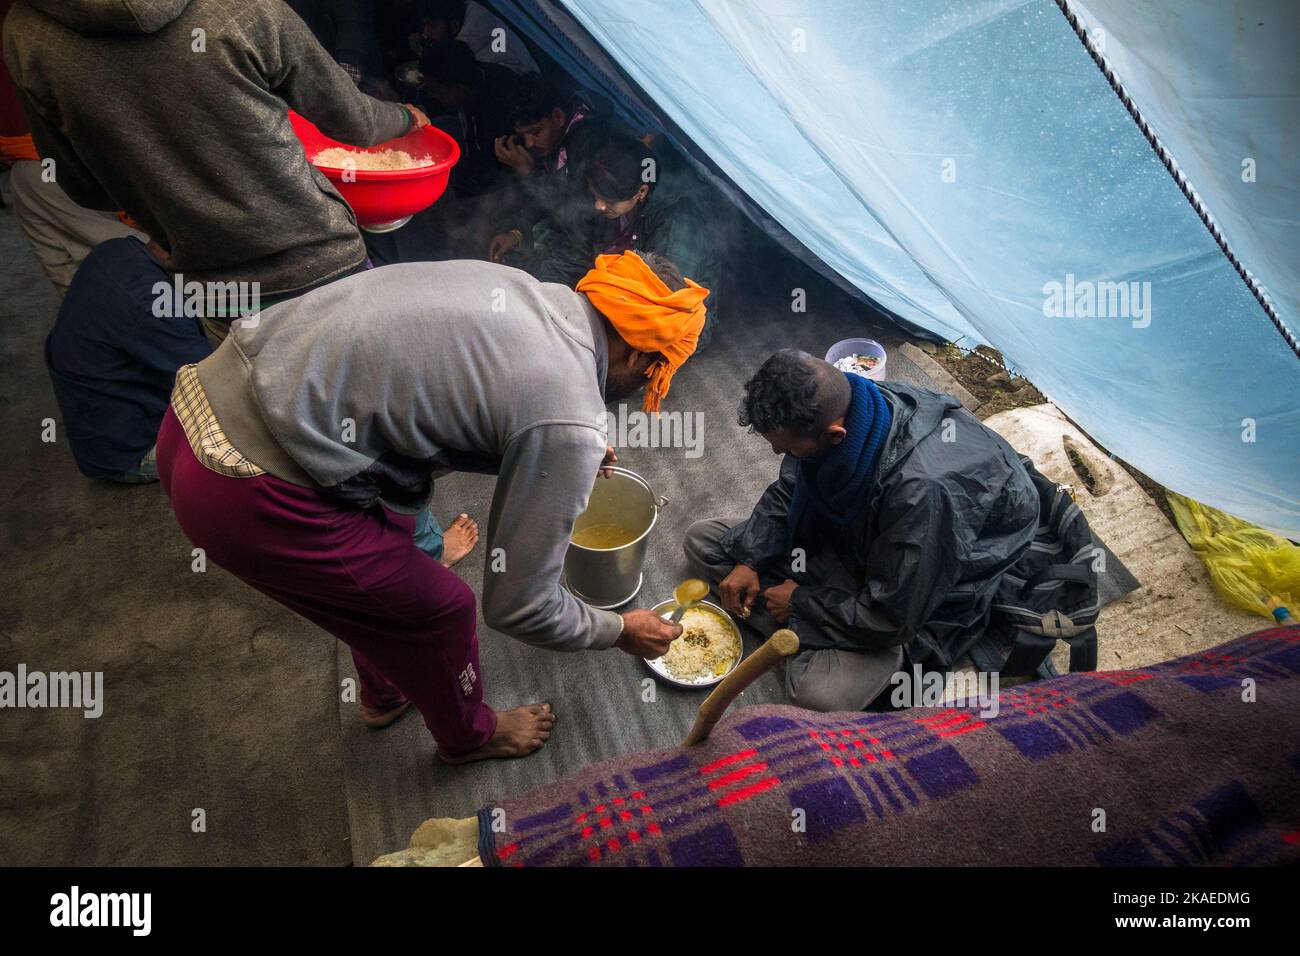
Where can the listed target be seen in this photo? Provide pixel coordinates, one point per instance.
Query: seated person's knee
(819, 687)
(701, 541)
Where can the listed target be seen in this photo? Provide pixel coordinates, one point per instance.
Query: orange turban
(647, 315)
(16, 149)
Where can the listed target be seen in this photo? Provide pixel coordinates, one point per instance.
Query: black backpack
(1049, 594)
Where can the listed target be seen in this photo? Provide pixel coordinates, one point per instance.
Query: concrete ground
(218, 743)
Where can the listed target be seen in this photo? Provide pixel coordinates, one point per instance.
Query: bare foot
(520, 731)
(458, 540)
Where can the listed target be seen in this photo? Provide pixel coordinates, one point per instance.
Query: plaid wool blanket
(1193, 761)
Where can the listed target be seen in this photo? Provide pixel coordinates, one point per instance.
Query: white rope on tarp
(1202, 211)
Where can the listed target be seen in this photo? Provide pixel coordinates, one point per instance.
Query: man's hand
(777, 600)
(739, 589)
(512, 153)
(610, 459)
(418, 119)
(646, 634)
(503, 243)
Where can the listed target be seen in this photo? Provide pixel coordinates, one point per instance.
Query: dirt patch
(982, 374)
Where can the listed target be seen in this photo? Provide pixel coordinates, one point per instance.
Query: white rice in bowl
(339, 157)
(708, 647)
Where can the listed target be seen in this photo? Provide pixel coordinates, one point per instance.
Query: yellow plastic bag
(1254, 569)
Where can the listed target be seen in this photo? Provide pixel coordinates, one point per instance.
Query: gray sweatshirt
(196, 146)
(368, 387)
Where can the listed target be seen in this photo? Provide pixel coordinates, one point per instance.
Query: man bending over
(296, 455)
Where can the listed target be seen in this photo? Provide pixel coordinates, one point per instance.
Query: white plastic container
(848, 347)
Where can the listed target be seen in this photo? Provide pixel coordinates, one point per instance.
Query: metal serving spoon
(686, 594)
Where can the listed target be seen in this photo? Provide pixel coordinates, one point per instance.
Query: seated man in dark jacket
(895, 514)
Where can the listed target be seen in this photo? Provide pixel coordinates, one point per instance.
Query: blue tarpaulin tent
(1104, 191)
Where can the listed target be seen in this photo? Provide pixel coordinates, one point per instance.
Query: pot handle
(659, 500)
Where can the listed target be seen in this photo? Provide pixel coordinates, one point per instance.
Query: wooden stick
(784, 643)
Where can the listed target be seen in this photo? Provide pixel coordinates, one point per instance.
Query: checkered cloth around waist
(211, 446)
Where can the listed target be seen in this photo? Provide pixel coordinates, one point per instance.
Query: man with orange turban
(300, 454)
(648, 314)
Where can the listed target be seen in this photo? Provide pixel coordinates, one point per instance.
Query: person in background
(554, 135)
(61, 233)
(117, 95)
(398, 33)
(467, 99)
(346, 29)
(895, 515)
(488, 37)
(261, 476)
(634, 200)
(112, 355)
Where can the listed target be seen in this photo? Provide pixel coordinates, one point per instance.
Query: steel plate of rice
(707, 649)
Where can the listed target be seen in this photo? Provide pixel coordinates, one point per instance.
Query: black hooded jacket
(950, 509)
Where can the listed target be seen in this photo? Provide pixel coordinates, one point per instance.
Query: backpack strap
(1028, 654)
(1058, 572)
(1033, 647)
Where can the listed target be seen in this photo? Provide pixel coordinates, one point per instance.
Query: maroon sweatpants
(357, 574)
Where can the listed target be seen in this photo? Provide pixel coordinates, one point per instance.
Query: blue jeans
(428, 534)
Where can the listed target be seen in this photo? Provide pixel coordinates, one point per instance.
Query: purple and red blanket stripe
(1195, 761)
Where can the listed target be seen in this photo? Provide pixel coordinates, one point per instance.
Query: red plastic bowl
(385, 198)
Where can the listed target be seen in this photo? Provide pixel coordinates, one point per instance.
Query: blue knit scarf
(836, 484)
